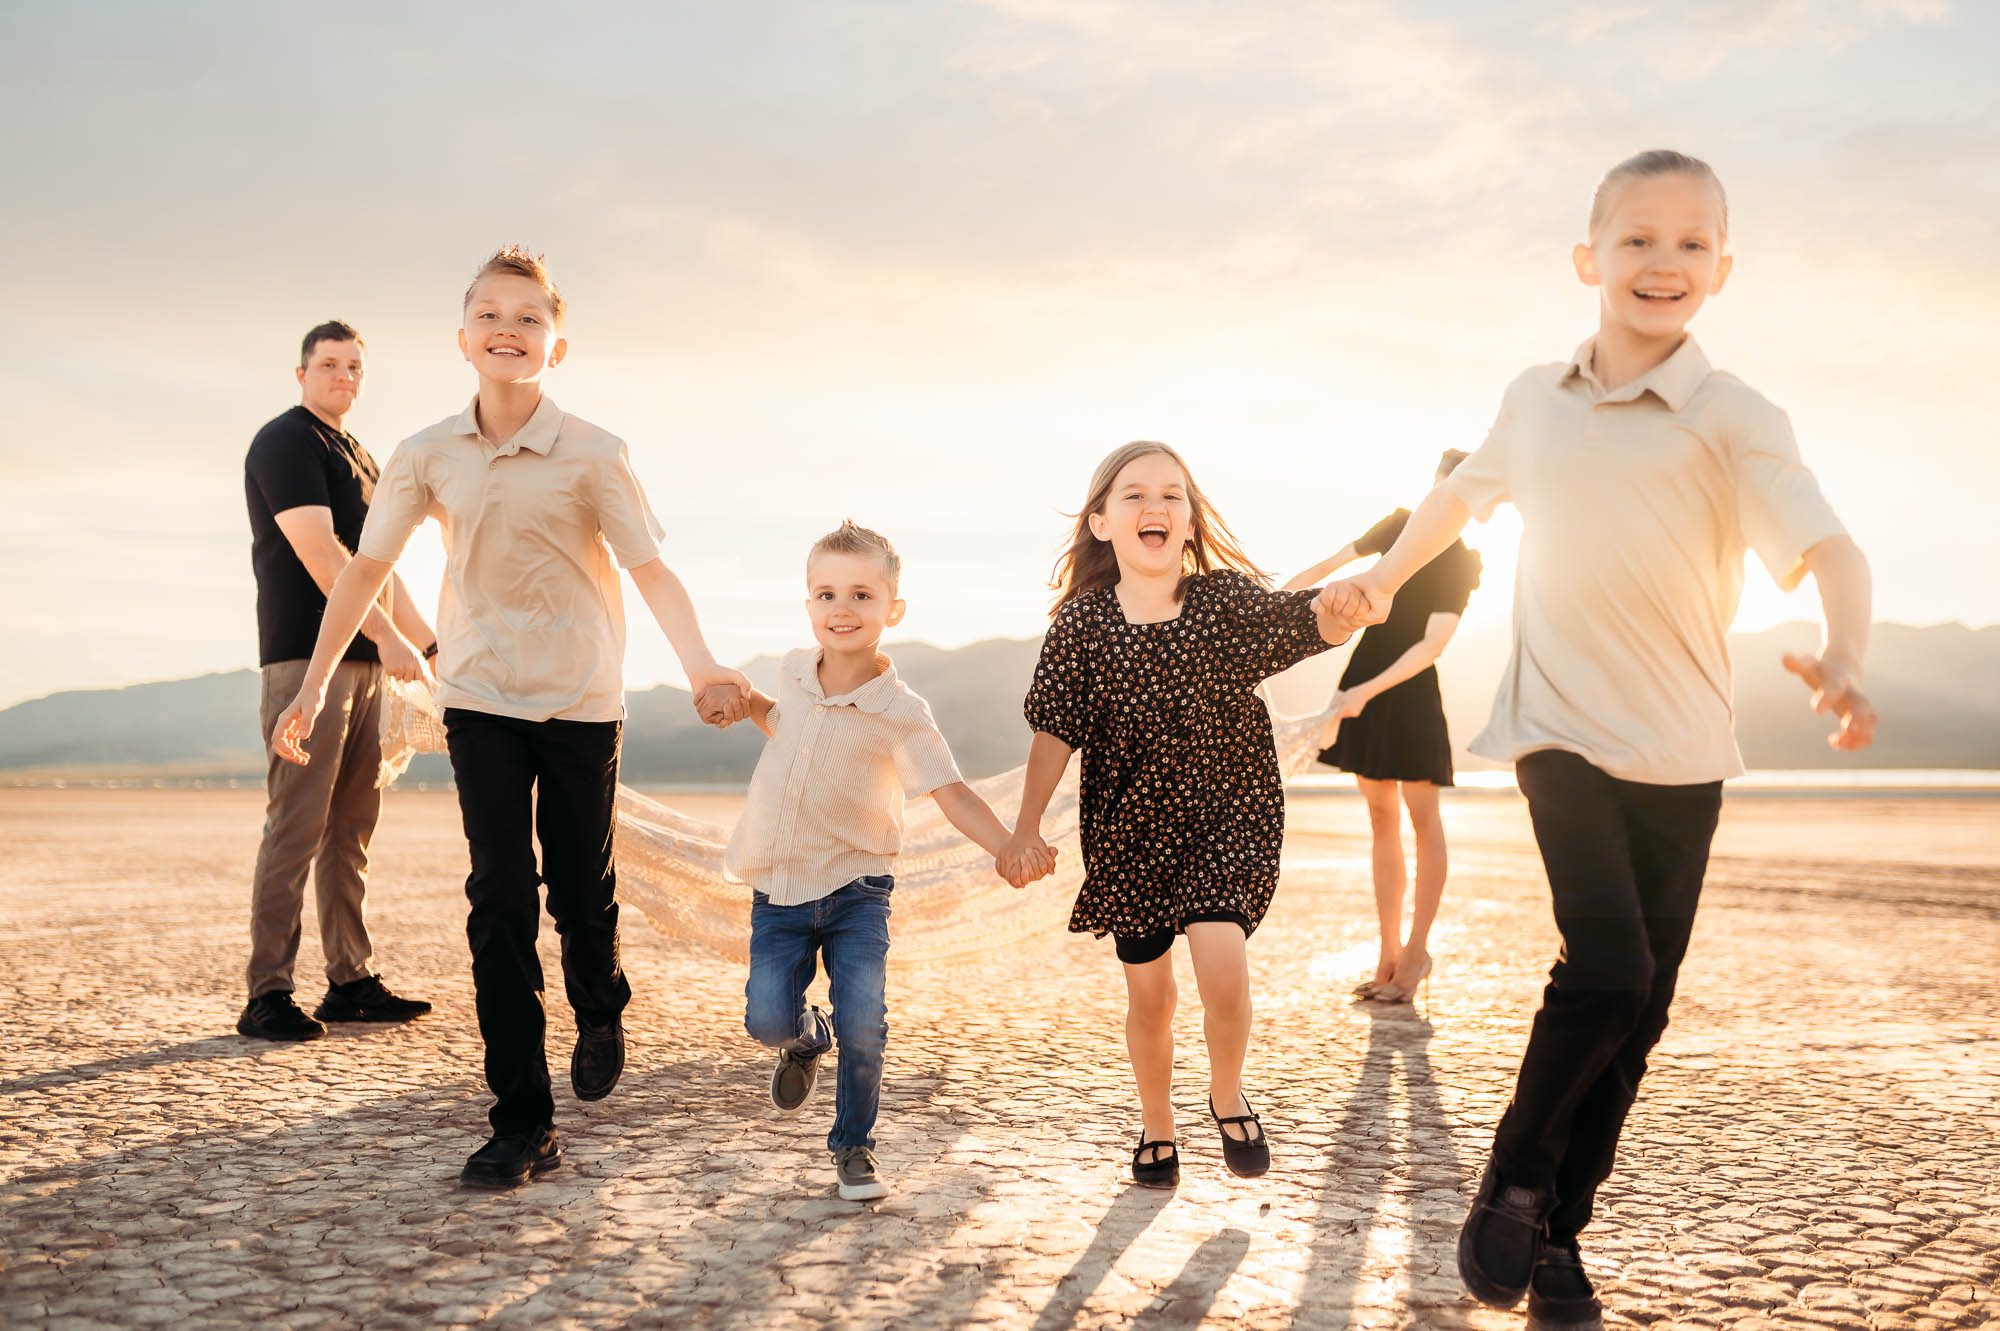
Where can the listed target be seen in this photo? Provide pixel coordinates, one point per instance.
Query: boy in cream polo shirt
(819, 836)
(1642, 477)
(539, 510)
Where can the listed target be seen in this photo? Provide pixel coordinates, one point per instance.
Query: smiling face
(1146, 516)
(509, 335)
(330, 379)
(851, 601)
(1658, 254)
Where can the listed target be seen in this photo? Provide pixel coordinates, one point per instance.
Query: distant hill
(198, 727)
(1933, 688)
(1930, 685)
(206, 728)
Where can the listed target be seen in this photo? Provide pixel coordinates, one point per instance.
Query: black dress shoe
(511, 1159)
(1247, 1156)
(598, 1059)
(1502, 1239)
(274, 1016)
(1162, 1171)
(1560, 1297)
(367, 999)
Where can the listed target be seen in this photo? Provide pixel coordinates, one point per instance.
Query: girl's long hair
(1089, 563)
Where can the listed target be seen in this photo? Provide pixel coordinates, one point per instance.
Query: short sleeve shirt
(1378, 538)
(299, 461)
(825, 805)
(531, 622)
(1637, 506)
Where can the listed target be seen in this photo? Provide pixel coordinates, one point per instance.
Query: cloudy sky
(922, 263)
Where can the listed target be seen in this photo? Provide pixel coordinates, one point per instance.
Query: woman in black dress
(1160, 637)
(1388, 729)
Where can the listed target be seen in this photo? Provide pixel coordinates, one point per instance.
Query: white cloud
(1679, 43)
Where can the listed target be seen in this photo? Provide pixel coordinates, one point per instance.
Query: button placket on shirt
(492, 498)
(795, 784)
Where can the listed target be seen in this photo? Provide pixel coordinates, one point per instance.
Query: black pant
(565, 775)
(1625, 862)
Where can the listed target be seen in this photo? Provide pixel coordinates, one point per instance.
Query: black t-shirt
(299, 461)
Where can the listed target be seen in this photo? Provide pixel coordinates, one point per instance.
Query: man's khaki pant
(324, 811)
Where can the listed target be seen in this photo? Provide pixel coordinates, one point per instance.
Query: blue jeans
(851, 926)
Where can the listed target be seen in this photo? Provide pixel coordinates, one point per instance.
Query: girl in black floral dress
(1162, 632)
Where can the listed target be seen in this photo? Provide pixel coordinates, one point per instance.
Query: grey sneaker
(792, 1080)
(858, 1180)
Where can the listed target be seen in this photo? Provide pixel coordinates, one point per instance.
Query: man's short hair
(850, 539)
(521, 262)
(333, 330)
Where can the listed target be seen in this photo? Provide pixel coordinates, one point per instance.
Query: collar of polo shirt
(874, 696)
(537, 436)
(1673, 381)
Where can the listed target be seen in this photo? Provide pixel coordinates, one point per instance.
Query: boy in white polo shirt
(819, 835)
(539, 510)
(1641, 476)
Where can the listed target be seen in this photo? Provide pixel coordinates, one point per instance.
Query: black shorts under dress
(1401, 734)
(1182, 806)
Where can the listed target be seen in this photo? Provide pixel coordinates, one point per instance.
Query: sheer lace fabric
(411, 724)
(948, 902)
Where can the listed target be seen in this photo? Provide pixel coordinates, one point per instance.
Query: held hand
(295, 727)
(1349, 604)
(1039, 861)
(1836, 691)
(400, 660)
(728, 710)
(1026, 866)
(721, 705)
(1024, 859)
(1008, 865)
(1348, 703)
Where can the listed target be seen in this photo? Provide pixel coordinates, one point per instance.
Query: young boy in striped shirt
(820, 831)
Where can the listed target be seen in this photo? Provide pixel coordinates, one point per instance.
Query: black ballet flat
(1249, 1156)
(1163, 1171)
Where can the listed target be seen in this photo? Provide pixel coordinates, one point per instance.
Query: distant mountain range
(1931, 685)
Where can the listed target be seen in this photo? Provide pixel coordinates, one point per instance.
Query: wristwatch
(430, 652)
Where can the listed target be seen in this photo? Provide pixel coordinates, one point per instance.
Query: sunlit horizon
(923, 268)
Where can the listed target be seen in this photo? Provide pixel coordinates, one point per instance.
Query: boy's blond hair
(1653, 162)
(850, 539)
(521, 262)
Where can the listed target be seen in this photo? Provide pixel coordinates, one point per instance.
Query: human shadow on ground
(188, 1051)
(751, 1232)
(357, 1212)
(1186, 1302)
(1367, 1157)
(1130, 1212)
(678, 1195)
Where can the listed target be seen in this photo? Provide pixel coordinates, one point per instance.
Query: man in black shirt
(308, 483)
